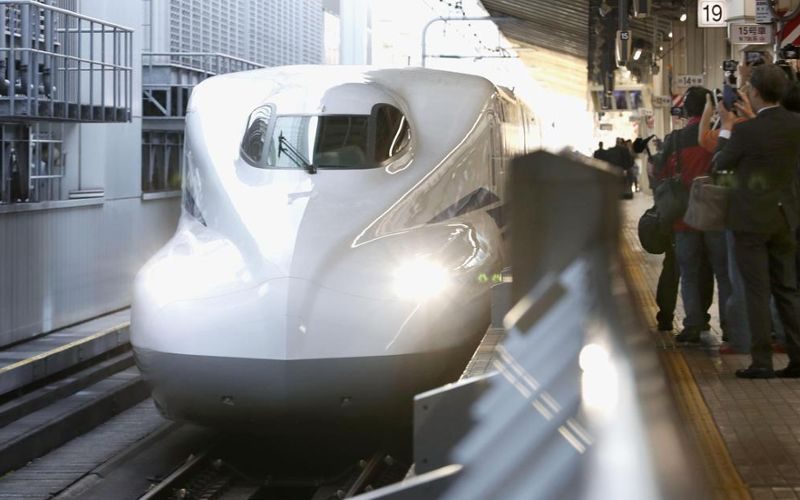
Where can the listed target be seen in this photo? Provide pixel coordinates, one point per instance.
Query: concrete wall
(64, 265)
(64, 262)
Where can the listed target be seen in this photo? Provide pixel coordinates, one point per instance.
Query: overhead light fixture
(637, 54)
(669, 35)
(683, 17)
(661, 48)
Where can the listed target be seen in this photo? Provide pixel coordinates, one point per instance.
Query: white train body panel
(287, 295)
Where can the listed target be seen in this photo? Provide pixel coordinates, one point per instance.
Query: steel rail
(161, 489)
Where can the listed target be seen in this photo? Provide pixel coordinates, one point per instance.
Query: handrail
(66, 56)
(68, 12)
(200, 54)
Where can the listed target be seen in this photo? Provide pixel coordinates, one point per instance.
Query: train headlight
(420, 279)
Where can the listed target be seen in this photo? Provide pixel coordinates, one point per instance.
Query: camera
(730, 96)
(729, 91)
(676, 111)
(729, 67)
(755, 57)
(789, 51)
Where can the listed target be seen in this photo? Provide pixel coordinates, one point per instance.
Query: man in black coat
(763, 214)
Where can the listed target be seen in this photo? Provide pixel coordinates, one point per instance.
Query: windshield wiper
(284, 146)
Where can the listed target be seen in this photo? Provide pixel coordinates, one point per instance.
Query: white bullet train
(340, 231)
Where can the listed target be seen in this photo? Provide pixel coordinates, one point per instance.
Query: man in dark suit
(763, 214)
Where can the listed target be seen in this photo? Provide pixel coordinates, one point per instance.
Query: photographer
(763, 214)
(695, 249)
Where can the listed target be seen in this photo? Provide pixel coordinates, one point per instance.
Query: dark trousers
(667, 290)
(767, 263)
(694, 250)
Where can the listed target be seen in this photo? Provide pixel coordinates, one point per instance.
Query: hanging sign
(712, 14)
(763, 14)
(691, 81)
(662, 101)
(750, 34)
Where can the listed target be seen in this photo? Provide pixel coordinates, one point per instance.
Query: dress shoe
(791, 371)
(726, 348)
(688, 336)
(755, 372)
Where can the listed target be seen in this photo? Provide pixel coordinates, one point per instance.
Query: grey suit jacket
(763, 153)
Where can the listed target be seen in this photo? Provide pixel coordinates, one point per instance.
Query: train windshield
(327, 141)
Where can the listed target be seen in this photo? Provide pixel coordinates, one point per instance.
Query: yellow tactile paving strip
(726, 483)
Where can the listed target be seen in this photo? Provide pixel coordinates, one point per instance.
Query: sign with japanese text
(691, 81)
(750, 34)
(763, 14)
(662, 101)
(712, 13)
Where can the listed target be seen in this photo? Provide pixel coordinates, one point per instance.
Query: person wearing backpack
(684, 159)
(669, 278)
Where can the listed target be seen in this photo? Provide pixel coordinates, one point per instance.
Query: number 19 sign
(712, 14)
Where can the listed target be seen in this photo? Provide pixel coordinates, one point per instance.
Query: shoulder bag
(708, 204)
(653, 236)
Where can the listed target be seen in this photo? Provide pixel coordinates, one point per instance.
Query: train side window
(392, 132)
(256, 137)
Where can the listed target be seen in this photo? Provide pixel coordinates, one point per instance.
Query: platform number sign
(712, 14)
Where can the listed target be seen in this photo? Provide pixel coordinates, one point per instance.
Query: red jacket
(695, 160)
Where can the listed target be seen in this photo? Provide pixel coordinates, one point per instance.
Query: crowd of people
(754, 261)
(623, 155)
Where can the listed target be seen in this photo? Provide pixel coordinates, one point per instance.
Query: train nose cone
(200, 297)
(197, 295)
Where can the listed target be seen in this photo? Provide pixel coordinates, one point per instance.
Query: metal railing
(56, 64)
(168, 78)
(206, 63)
(32, 162)
(167, 82)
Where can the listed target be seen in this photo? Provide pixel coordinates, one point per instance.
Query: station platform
(747, 431)
(36, 359)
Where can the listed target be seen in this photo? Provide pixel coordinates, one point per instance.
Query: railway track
(203, 477)
(87, 399)
(43, 415)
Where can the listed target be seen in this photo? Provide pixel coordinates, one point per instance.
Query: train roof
(322, 89)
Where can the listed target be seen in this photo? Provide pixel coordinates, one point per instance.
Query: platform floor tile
(758, 420)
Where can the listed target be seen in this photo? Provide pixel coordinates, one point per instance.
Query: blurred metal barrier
(578, 406)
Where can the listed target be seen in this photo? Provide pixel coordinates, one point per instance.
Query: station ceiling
(559, 25)
(564, 25)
